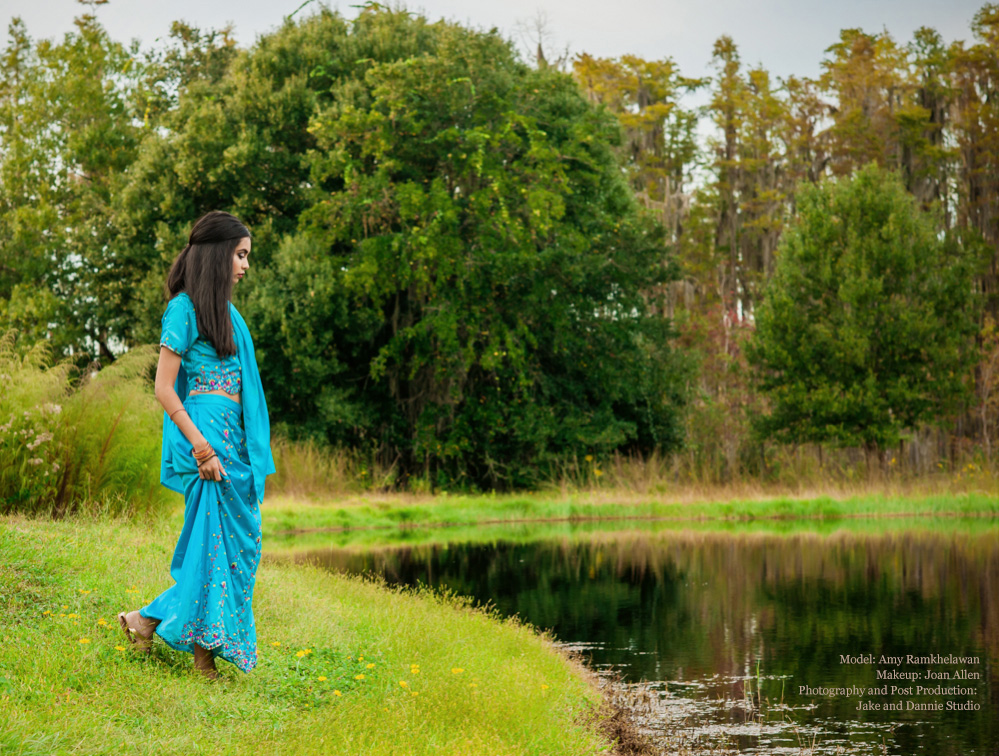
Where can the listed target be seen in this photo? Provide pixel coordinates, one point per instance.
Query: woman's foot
(138, 629)
(204, 662)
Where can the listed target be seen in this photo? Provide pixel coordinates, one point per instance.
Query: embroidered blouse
(205, 370)
(180, 333)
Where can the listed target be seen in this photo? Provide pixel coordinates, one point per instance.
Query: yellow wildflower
(456, 670)
(358, 677)
(337, 693)
(84, 640)
(473, 685)
(47, 611)
(371, 665)
(544, 687)
(299, 654)
(589, 457)
(404, 684)
(321, 678)
(83, 591)
(415, 692)
(119, 648)
(65, 607)
(276, 644)
(102, 621)
(597, 472)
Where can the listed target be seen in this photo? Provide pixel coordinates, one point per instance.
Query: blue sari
(215, 562)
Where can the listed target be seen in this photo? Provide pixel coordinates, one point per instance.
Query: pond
(856, 637)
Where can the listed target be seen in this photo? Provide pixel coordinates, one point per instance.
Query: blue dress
(215, 562)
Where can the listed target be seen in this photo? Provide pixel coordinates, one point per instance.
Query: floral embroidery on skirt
(215, 562)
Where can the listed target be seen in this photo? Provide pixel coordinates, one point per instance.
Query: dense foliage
(867, 326)
(466, 268)
(451, 272)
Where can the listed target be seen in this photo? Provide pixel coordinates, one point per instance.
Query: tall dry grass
(311, 470)
(72, 442)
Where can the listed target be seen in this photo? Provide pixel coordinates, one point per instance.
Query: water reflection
(730, 625)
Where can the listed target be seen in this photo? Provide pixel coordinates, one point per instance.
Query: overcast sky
(786, 36)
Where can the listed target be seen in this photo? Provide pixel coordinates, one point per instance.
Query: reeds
(309, 470)
(73, 443)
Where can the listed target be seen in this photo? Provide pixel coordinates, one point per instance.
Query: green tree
(866, 327)
(450, 266)
(974, 75)
(29, 199)
(66, 134)
(492, 262)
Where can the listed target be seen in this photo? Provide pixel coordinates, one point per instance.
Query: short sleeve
(180, 329)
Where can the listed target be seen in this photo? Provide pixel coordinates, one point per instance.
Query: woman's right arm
(166, 375)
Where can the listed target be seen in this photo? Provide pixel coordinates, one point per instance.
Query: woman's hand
(211, 469)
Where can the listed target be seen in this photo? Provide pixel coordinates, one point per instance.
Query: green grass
(582, 531)
(67, 687)
(284, 515)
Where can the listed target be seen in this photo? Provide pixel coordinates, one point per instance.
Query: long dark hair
(204, 270)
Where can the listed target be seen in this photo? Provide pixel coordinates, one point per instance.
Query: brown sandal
(133, 624)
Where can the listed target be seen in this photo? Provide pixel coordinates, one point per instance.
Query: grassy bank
(345, 666)
(304, 545)
(282, 514)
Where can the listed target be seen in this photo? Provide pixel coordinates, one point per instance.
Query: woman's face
(239, 261)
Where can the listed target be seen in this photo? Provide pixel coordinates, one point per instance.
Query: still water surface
(756, 641)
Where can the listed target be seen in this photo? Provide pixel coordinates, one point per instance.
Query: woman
(216, 451)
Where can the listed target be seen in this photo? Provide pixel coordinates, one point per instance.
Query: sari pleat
(215, 561)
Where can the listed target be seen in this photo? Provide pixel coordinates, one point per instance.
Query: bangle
(202, 461)
(175, 412)
(204, 453)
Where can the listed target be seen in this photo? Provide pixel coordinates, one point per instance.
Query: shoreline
(635, 518)
(345, 663)
(76, 690)
(290, 516)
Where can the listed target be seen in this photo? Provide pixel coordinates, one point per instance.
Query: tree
(65, 135)
(866, 327)
(975, 129)
(660, 133)
(470, 279)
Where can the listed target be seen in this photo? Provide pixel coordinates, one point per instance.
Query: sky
(785, 36)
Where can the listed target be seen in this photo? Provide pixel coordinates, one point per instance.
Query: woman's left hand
(211, 469)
